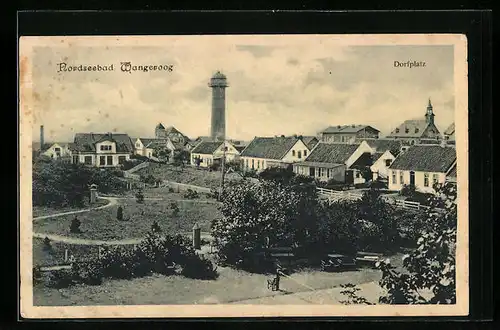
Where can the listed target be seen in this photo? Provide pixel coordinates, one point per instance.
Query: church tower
(429, 115)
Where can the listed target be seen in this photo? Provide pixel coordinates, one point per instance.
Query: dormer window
(416, 129)
(407, 130)
(397, 130)
(106, 148)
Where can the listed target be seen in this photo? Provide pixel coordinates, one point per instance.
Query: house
(341, 162)
(348, 133)
(310, 141)
(416, 130)
(278, 151)
(449, 134)
(54, 150)
(170, 132)
(381, 163)
(451, 176)
(422, 166)
(101, 150)
(383, 145)
(208, 153)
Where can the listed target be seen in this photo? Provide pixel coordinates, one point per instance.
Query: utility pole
(223, 170)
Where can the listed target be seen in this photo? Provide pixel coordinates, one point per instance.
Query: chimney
(443, 143)
(42, 138)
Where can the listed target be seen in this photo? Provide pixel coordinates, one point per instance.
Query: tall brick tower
(218, 83)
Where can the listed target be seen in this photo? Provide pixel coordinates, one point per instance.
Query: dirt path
(112, 201)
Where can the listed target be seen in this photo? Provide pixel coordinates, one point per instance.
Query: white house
(206, 153)
(381, 163)
(422, 166)
(264, 152)
(336, 161)
(55, 150)
(101, 150)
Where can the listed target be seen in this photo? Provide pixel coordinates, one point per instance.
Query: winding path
(112, 201)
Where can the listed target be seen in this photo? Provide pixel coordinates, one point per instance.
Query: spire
(429, 115)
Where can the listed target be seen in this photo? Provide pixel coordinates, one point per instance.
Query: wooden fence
(334, 195)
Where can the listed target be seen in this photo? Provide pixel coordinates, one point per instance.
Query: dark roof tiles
(426, 158)
(335, 153)
(269, 147)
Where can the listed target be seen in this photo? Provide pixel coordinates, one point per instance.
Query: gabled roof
(453, 172)
(148, 141)
(239, 148)
(206, 147)
(47, 145)
(413, 128)
(85, 142)
(382, 145)
(376, 156)
(310, 141)
(160, 126)
(426, 158)
(269, 147)
(334, 153)
(366, 159)
(347, 129)
(450, 130)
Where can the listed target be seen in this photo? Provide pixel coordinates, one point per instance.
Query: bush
(191, 194)
(197, 268)
(37, 274)
(75, 226)
(88, 272)
(60, 279)
(175, 209)
(46, 244)
(170, 189)
(119, 213)
(155, 227)
(139, 197)
(407, 190)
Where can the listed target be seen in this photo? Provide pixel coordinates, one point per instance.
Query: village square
(338, 217)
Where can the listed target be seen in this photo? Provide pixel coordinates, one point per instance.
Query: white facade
(423, 181)
(380, 168)
(57, 150)
(297, 153)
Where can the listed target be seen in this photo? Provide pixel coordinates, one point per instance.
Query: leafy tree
(277, 174)
(155, 227)
(139, 197)
(46, 244)
(181, 158)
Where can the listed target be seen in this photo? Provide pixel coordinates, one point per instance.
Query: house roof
(450, 130)
(160, 126)
(382, 145)
(346, 129)
(429, 141)
(269, 147)
(426, 158)
(334, 153)
(310, 141)
(453, 172)
(366, 159)
(148, 141)
(376, 156)
(413, 128)
(47, 145)
(239, 148)
(85, 142)
(206, 147)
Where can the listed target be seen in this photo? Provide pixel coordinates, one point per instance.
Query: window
(323, 172)
(246, 163)
(102, 160)
(106, 148)
(121, 159)
(253, 164)
(305, 153)
(394, 177)
(357, 175)
(293, 153)
(88, 160)
(110, 160)
(328, 173)
(401, 178)
(416, 130)
(426, 179)
(258, 164)
(407, 130)
(387, 162)
(75, 159)
(299, 154)
(137, 145)
(435, 179)
(318, 171)
(397, 130)
(57, 149)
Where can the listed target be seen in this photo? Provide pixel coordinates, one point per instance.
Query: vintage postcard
(243, 175)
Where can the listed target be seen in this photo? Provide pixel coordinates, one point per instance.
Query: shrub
(175, 209)
(170, 189)
(119, 213)
(37, 274)
(197, 268)
(60, 279)
(139, 197)
(191, 194)
(46, 244)
(408, 190)
(75, 226)
(88, 272)
(155, 227)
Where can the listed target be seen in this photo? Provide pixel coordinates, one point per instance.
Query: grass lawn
(39, 211)
(138, 218)
(55, 256)
(231, 286)
(187, 175)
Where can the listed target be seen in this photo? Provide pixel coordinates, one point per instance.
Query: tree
(119, 213)
(155, 227)
(431, 266)
(139, 196)
(75, 226)
(46, 244)
(181, 158)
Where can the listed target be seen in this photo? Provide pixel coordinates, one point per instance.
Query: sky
(275, 88)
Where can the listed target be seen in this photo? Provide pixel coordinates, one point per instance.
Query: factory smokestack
(218, 83)
(42, 140)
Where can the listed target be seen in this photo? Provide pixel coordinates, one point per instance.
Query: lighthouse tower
(218, 83)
